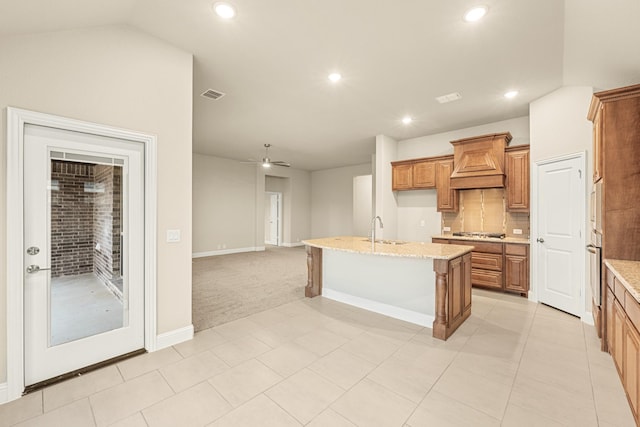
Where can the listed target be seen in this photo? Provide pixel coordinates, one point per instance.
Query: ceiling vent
(213, 94)
(448, 97)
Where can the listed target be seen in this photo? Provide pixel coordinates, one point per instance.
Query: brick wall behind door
(71, 219)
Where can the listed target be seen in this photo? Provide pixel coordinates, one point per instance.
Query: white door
(560, 239)
(84, 250)
(272, 225)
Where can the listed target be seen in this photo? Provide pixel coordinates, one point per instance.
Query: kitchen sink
(386, 242)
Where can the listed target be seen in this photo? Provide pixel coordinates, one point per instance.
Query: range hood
(479, 161)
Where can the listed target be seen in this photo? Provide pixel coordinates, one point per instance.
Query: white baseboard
(292, 245)
(381, 308)
(226, 252)
(587, 317)
(4, 396)
(174, 337)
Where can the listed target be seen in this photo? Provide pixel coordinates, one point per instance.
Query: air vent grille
(449, 97)
(213, 94)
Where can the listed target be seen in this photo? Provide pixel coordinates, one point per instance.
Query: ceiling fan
(266, 161)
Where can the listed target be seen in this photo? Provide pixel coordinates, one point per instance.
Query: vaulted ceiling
(272, 61)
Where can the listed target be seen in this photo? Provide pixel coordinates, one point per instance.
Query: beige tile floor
(321, 363)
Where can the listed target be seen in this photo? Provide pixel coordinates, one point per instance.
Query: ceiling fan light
(266, 165)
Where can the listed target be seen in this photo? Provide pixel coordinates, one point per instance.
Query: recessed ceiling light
(224, 10)
(475, 14)
(406, 120)
(511, 94)
(335, 77)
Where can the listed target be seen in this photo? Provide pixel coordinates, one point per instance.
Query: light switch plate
(446, 228)
(517, 231)
(173, 236)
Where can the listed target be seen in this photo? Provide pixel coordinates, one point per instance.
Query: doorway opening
(273, 218)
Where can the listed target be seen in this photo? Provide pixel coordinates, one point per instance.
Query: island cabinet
(394, 278)
(517, 180)
(622, 320)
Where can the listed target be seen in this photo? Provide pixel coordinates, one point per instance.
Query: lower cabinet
(499, 266)
(631, 364)
(622, 317)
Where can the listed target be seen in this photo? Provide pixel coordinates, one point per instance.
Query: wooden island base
(452, 289)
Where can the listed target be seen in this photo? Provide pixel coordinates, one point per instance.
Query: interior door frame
(16, 121)
(585, 316)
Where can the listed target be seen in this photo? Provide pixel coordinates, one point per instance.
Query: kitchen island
(394, 278)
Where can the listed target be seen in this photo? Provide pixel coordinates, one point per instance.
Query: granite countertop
(628, 272)
(518, 240)
(359, 244)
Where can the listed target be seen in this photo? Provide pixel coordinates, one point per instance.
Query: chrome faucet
(373, 231)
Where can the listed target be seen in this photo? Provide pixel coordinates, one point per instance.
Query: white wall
(601, 40)
(559, 126)
(384, 198)
(439, 144)
(121, 77)
(223, 205)
(332, 200)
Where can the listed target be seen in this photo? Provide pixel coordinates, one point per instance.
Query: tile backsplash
(485, 210)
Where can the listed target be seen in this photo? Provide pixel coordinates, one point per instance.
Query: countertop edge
(463, 250)
(620, 269)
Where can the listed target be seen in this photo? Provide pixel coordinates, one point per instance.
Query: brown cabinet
(516, 263)
(414, 174)
(597, 143)
(517, 184)
(499, 266)
(618, 335)
(631, 364)
(616, 131)
(402, 176)
(622, 318)
(447, 197)
(424, 174)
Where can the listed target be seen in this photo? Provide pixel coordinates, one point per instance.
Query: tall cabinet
(616, 164)
(616, 144)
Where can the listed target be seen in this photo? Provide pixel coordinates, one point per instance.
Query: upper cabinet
(517, 182)
(414, 174)
(616, 119)
(479, 161)
(447, 196)
(402, 176)
(424, 174)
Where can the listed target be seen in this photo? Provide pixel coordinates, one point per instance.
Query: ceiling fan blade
(281, 163)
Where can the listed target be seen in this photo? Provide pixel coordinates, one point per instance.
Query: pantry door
(83, 250)
(559, 238)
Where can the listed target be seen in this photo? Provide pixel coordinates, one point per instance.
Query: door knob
(35, 268)
(540, 239)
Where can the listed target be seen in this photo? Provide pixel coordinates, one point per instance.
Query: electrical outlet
(446, 228)
(422, 223)
(517, 231)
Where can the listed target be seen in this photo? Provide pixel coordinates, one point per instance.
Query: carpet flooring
(230, 287)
